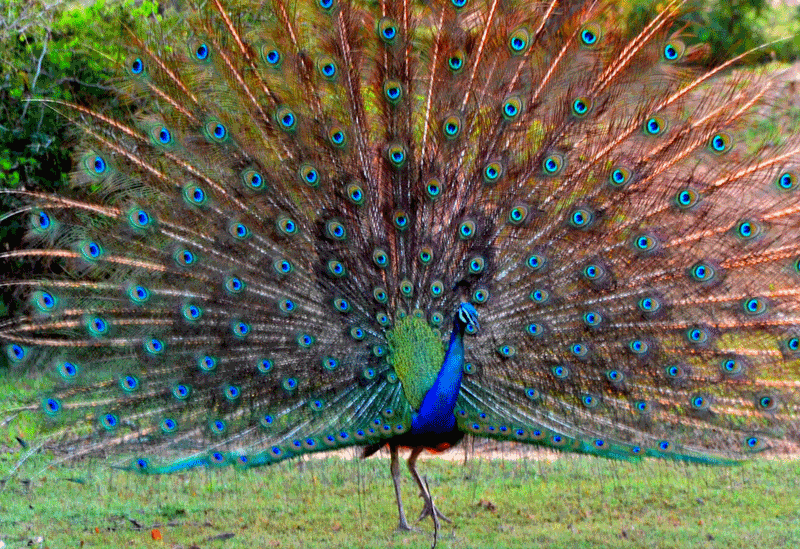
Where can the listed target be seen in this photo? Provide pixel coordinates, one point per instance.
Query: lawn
(338, 502)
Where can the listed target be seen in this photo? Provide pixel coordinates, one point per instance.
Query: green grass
(569, 502)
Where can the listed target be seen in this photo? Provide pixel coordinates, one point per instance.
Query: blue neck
(435, 415)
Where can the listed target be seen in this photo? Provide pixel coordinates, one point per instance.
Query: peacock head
(466, 319)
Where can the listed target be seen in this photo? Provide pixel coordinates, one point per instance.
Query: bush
(49, 50)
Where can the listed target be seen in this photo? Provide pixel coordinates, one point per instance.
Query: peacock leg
(403, 525)
(429, 510)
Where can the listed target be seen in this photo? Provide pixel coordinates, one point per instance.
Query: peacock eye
(492, 172)
(137, 66)
(396, 155)
(387, 30)
(581, 107)
(392, 91)
(673, 51)
(655, 125)
(451, 126)
(518, 41)
(590, 35)
(327, 68)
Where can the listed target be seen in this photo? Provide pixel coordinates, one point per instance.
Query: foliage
(53, 50)
(730, 27)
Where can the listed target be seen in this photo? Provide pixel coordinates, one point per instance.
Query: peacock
(336, 223)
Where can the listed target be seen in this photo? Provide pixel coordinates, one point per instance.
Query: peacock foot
(405, 527)
(430, 510)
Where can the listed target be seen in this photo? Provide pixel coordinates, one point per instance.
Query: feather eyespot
(581, 218)
(90, 250)
(201, 52)
(271, 55)
(619, 178)
(336, 268)
(426, 255)
(593, 319)
(590, 35)
(539, 296)
(673, 51)
(216, 132)
(396, 155)
(655, 125)
(191, 312)
(492, 172)
(287, 121)
(44, 301)
(138, 294)
(511, 108)
(327, 68)
(337, 137)
(698, 335)
(686, 199)
(400, 220)
(264, 365)
(581, 106)
(309, 175)
(234, 285)
(476, 265)
(194, 195)
(519, 41)
(703, 272)
(406, 288)
(253, 180)
(747, 230)
(456, 62)
(518, 215)
(392, 91)
(136, 66)
(433, 188)
(40, 221)
(67, 370)
(380, 294)
(286, 225)
(380, 257)
(479, 296)
(787, 181)
(553, 164)
(387, 30)
(355, 193)
(720, 143)
(467, 229)
(240, 329)
(535, 262)
(451, 127)
(754, 306)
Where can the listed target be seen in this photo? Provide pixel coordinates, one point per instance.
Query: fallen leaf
(488, 505)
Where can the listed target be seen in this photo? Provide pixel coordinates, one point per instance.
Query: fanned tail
(266, 260)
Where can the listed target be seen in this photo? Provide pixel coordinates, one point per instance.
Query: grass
(333, 502)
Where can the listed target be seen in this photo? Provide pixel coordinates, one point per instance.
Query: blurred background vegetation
(66, 50)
